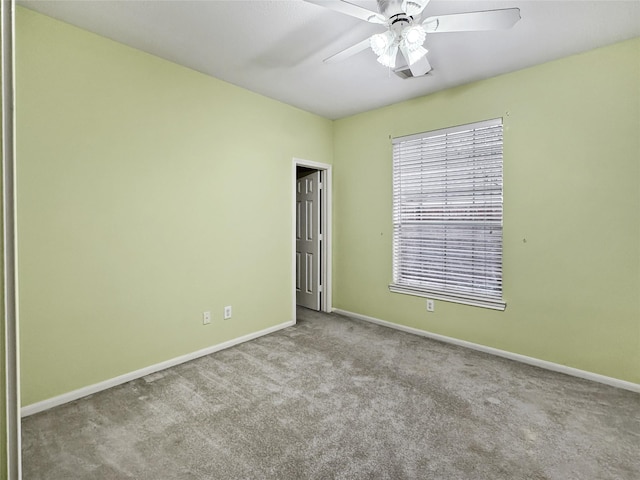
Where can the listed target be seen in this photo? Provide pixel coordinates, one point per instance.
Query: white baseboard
(127, 377)
(556, 367)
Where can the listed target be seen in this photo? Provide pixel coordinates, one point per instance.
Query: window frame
(419, 287)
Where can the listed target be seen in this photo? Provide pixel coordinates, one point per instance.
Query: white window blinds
(447, 214)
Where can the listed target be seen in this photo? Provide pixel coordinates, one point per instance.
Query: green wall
(571, 203)
(148, 193)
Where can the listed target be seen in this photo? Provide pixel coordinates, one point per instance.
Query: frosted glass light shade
(388, 58)
(414, 36)
(381, 42)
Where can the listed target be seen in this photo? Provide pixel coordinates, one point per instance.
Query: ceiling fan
(407, 31)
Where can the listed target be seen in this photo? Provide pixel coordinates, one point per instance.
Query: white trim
(556, 367)
(127, 377)
(12, 440)
(327, 206)
(449, 297)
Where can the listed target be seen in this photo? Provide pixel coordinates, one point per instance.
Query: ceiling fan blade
(414, 7)
(351, 9)
(344, 54)
(473, 21)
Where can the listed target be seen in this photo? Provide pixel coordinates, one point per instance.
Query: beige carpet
(337, 398)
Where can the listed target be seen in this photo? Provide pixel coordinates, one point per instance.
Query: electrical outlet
(227, 312)
(431, 306)
(206, 318)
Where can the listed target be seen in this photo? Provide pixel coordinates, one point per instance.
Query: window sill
(447, 297)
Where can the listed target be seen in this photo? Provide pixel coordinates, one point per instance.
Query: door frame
(325, 227)
(10, 383)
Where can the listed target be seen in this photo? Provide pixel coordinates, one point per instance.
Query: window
(447, 214)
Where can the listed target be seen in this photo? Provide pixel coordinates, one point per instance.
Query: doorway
(311, 235)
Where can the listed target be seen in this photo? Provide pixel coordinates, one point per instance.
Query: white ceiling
(276, 47)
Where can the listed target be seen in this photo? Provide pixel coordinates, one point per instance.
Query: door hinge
(320, 288)
(320, 236)
(320, 185)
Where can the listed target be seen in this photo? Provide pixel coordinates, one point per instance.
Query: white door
(308, 241)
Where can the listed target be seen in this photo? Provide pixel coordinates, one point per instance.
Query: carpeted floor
(338, 398)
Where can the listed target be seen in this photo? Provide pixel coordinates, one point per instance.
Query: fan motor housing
(398, 22)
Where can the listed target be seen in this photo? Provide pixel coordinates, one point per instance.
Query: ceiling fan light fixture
(381, 42)
(407, 31)
(388, 58)
(414, 36)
